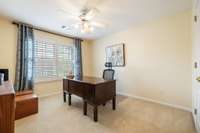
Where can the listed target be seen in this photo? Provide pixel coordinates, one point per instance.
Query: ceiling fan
(85, 22)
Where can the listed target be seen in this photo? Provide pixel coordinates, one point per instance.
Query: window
(52, 61)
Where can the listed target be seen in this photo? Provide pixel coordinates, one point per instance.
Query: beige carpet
(131, 116)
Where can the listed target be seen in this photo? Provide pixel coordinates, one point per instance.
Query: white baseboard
(155, 101)
(50, 94)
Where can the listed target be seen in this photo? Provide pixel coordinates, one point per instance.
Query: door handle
(198, 79)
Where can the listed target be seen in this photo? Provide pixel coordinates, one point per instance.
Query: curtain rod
(47, 31)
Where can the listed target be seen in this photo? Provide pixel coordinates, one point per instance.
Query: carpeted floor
(131, 116)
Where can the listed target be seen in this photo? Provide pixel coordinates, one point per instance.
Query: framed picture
(116, 55)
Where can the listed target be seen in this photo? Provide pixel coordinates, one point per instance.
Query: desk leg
(69, 99)
(114, 103)
(64, 96)
(85, 108)
(95, 113)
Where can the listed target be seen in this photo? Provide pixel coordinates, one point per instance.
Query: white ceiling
(117, 14)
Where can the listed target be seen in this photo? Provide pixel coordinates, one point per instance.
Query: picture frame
(116, 55)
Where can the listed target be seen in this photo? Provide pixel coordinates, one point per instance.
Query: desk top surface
(89, 80)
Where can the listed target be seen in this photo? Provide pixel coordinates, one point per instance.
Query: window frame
(56, 48)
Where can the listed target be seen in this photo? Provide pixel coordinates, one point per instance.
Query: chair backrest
(108, 74)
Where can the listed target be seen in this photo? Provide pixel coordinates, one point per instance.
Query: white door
(196, 68)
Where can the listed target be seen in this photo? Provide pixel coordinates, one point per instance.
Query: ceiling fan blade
(91, 13)
(74, 18)
(76, 26)
(66, 14)
(94, 3)
(97, 24)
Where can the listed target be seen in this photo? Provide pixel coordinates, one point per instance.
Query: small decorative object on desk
(1, 78)
(70, 75)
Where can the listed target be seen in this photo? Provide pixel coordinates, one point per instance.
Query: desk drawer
(85, 91)
(76, 88)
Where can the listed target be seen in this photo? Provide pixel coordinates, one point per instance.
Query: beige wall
(87, 58)
(8, 44)
(196, 59)
(158, 60)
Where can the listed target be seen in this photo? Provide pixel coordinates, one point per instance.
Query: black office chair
(108, 74)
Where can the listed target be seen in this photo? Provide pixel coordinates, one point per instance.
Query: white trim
(48, 80)
(194, 120)
(50, 94)
(155, 101)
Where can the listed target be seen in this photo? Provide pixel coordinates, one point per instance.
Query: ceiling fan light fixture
(91, 29)
(83, 31)
(85, 23)
(86, 27)
(76, 26)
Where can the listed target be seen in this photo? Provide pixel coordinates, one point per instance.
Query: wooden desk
(94, 91)
(7, 108)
